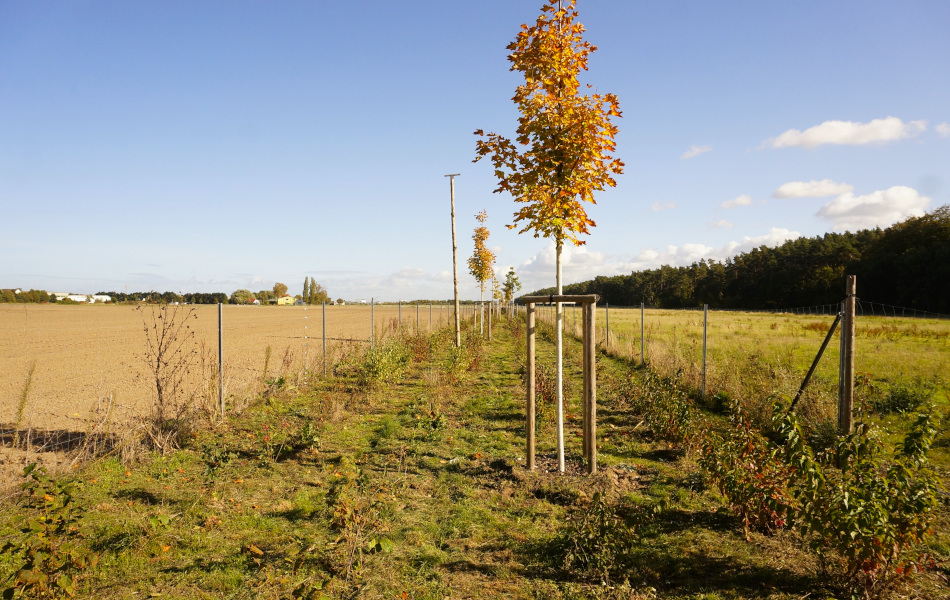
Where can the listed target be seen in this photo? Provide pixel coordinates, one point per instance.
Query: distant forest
(907, 265)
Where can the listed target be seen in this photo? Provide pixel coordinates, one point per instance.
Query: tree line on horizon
(906, 264)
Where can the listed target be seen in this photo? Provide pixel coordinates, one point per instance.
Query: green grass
(415, 488)
(764, 353)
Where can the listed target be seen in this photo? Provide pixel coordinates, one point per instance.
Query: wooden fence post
(846, 374)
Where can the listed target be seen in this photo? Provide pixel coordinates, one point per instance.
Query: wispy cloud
(659, 206)
(944, 129)
(877, 209)
(722, 224)
(743, 200)
(695, 151)
(848, 133)
(812, 189)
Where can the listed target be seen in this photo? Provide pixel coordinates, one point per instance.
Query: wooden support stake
(586, 416)
(591, 376)
(530, 386)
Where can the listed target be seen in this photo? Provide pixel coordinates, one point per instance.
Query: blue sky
(211, 146)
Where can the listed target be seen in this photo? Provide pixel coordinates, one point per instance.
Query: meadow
(763, 353)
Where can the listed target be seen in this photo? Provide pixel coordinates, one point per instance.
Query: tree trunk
(560, 365)
(481, 315)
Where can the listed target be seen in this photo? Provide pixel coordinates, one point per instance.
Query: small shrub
(419, 345)
(749, 474)
(668, 411)
(904, 397)
(595, 541)
(383, 363)
(866, 515)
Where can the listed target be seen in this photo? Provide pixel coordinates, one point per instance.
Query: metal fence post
(705, 325)
(643, 358)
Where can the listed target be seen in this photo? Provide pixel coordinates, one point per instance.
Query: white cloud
(687, 254)
(580, 264)
(812, 189)
(877, 209)
(577, 264)
(944, 129)
(743, 200)
(775, 237)
(722, 224)
(849, 133)
(658, 206)
(695, 151)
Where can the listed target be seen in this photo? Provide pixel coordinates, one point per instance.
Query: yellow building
(285, 300)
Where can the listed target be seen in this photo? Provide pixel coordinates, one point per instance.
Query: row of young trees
(907, 264)
(481, 265)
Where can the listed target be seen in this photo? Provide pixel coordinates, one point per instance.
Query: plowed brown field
(87, 355)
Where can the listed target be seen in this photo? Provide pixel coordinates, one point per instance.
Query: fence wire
(63, 369)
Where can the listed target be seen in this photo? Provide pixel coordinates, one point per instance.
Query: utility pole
(455, 263)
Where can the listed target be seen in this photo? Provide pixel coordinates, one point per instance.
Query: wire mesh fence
(769, 352)
(63, 367)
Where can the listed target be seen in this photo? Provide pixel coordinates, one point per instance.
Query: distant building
(83, 298)
(285, 300)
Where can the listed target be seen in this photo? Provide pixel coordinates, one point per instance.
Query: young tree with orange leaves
(562, 152)
(482, 262)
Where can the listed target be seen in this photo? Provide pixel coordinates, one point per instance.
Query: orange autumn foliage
(564, 139)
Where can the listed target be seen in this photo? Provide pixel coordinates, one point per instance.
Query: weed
(355, 506)
(21, 405)
(215, 458)
(169, 353)
(53, 559)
